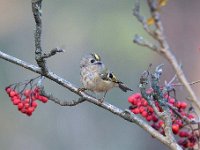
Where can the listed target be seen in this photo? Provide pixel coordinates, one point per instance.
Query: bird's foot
(81, 89)
(101, 100)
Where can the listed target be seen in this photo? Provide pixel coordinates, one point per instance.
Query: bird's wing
(109, 76)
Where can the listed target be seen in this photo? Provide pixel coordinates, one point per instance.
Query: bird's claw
(81, 89)
(101, 100)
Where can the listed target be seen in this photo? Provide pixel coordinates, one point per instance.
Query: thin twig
(188, 121)
(140, 41)
(52, 52)
(56, 100)
(141, 19)
(191, 83)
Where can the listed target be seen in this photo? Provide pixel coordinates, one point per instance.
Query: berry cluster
(188, 138)
(26, 100)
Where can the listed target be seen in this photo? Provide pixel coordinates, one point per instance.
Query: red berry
(16, 101)
(34, 104)
(178, 105)
(137, 95)
(26, 105)
(30, 109)
(139, 103)
(183, 113)
(191, 144)
(12, 93)
(133, 98)
(33, 98)
(190, 116)
(13, 98)
(154, 118)
(183, 105)
(186, 144)
(161, 123)
(43, 99)
(179, 122)
(144, 113)
(23, 110)
(36, 90)
(28, 113)
(175, 128)
(27, 100)
(149, 118)
(8, 90)
(141, 108)
(144, 103)
(150, 109)
(135, 111)
(171, 101)
(20, 105)
(27, 93)
(183, 134)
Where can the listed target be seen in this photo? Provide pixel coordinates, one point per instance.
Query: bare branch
(142, 20)
(19, 62)
(140, 41)
(191, 83)
(53, 52)
(64, 103)
(56, 100)
(165, 50)
(37, 13)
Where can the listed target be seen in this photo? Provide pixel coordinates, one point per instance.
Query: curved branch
(53, 52)
(127, 115)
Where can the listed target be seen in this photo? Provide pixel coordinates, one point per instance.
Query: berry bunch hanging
(25, 96)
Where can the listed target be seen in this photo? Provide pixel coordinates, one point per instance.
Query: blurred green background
(104, 27)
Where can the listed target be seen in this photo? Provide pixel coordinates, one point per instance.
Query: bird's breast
(92, 81)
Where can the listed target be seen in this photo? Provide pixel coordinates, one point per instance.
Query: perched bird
(96, 77)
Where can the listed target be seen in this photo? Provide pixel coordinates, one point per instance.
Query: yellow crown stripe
(97, 57)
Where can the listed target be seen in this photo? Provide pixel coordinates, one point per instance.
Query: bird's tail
(124, 88)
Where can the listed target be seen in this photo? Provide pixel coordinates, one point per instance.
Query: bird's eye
(92, 60)
(110, 75)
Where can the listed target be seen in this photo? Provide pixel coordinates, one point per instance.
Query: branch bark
(37, 13)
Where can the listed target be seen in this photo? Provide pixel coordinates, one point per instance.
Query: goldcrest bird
(96, 77)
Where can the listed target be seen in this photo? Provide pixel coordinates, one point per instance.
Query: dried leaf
(162, 3)
(150, 21)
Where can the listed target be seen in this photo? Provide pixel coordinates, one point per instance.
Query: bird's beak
(98, 63)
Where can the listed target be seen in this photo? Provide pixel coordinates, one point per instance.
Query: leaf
(150, 21)
(162, 3)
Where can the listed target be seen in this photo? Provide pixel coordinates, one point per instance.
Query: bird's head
(90, 59)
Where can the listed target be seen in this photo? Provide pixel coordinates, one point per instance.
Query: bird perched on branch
(96, 77)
